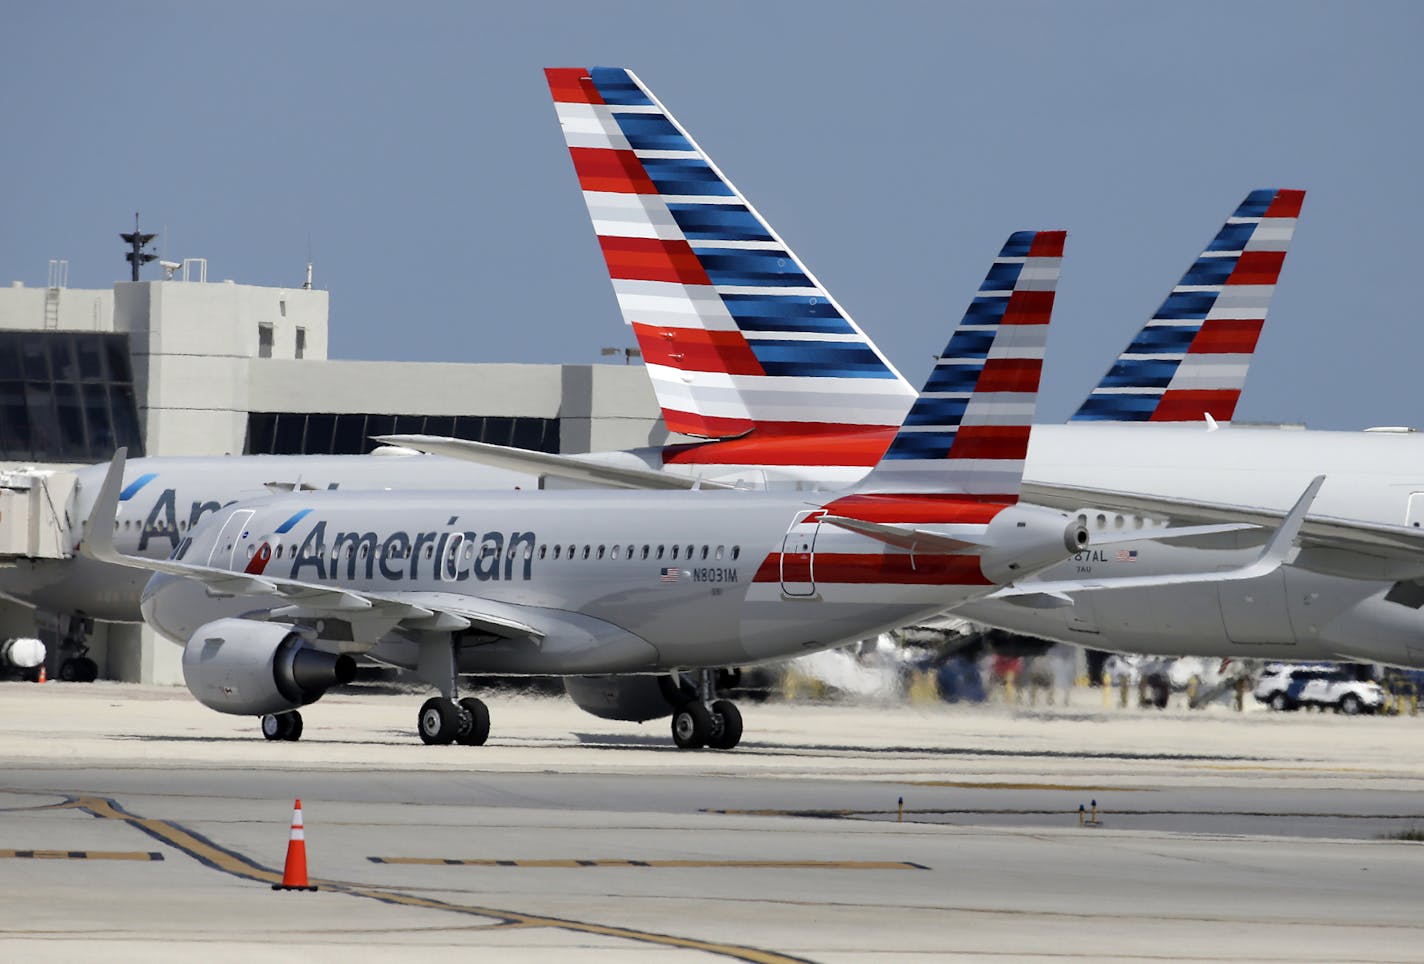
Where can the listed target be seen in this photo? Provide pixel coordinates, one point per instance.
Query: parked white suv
(1291, 687)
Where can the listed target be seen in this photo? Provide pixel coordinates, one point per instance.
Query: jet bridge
(34, 514)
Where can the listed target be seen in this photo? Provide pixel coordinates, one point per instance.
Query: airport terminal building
(185, 366)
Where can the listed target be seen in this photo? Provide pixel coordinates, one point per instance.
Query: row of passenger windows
(688, 553)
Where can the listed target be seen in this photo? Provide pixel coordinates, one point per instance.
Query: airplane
(1355, 592)
(816, 426)
(270, 598)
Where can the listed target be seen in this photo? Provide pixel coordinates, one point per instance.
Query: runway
(134, 824)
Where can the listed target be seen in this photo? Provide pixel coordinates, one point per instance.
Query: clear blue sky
(894, 146)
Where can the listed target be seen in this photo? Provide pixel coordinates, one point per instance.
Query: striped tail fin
(1191, 359)
(735, 332)
(968, 430)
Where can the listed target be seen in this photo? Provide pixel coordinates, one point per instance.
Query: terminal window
(264, 340)
(317, 433)
(66, 397)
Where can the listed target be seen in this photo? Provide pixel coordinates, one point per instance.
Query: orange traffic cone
(43, 678)
(294, 875)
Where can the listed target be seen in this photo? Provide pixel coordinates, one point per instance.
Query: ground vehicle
(1286, 687)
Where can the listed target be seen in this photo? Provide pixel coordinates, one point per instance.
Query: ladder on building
(58, 281)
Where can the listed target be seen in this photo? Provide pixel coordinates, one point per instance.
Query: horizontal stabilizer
(547, 463)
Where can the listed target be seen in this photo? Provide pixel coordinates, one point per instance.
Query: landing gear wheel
(69, 671)
(294, 726)
(79, 669)
(726, 725)
(439, 720)
(474, 722)
(691, 726)
(276, 726)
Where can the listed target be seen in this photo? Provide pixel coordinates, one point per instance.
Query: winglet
(98, 542)
(1281, 543)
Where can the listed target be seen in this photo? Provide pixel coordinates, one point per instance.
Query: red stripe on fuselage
(1257, 268)
(990, 442)
(259, 560)
(697, 350)
(1226, 336)
(1190, 406)
(884, 569)
(783, 443)
(617, 172)
(652, 259)
(572, 85)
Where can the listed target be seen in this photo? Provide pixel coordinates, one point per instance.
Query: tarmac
(137, 825)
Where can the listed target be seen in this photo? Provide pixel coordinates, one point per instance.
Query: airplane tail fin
(1191, 358)
(967, 433)
(735, 331)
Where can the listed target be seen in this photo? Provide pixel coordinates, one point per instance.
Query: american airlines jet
(270, 598)
(1356, 591)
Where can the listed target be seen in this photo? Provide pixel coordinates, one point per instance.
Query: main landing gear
(282, 726)
(703, 720)
(443, 720)
(446, 719)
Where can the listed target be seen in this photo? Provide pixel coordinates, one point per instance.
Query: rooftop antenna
(308, 283)
(137, 241)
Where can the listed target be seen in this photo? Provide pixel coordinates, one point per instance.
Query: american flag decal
(668, 574)
(1127, 555)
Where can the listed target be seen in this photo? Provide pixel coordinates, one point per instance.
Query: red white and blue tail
(968, 430)
(1192, 357)
(736, 332)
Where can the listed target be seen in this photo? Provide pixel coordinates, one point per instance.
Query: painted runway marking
(220, 858)
(80, 855)
(1077, 787)
(659, 864)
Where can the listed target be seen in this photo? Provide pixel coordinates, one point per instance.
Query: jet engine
(1026, 538)
(250, 668)
(634, 698)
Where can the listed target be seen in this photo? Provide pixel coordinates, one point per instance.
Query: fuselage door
(450, 560)
(1414, 515)
(798, 555)
(229, 536)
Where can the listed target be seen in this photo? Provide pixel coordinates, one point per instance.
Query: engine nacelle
(633, 698)
(250, 668)
(1027, 538)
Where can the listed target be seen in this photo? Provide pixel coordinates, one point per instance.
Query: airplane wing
(912, 539)
(1326, 532)
(1271, 557)
(420, 610)
(548, 463)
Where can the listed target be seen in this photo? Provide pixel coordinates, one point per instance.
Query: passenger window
(557, 547)
(736, 551)
(674, 552)
(429, 551)
(689, 552)
(600, 552)
(615, 551)
(704, 552)
(645, 551)
(543, 551)
(719, 551)
(251, 551)
(587, 551)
